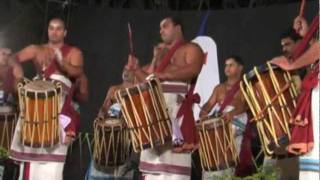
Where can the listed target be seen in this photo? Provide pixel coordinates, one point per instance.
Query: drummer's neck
(232, 80)
(55, 45)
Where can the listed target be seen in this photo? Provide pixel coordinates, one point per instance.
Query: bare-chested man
(11, 74)
(233, 71)
(234, 110)
(179, 68)
(56, 61)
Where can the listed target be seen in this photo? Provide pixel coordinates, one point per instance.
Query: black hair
(290, 33)
(177, 21)
(237, 59)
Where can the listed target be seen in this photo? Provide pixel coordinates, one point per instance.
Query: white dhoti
(162, 162)
(309, 164)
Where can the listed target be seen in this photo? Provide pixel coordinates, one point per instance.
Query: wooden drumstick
(130, 38)
(302, 6)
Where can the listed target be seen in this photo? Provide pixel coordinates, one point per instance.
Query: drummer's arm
(74, 65)
(307, 58)
(207, 107)
(18, 75)
(83, 90)
(27, 54)
(140, 73)
(108, 100)
(239, 105)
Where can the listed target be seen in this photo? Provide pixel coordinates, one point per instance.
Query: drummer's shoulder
(218, 88)
(192, 45)
(75, 50)
(33, 47)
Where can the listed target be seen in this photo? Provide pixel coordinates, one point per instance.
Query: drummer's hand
(300, 25)
(203, 114)
(282, 62)
(69, 138)
(132, 63)
(228, 116)
(163, 76)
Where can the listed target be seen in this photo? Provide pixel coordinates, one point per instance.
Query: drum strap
(302, 132)
(303, 44)
(166, 59)
(230, 95)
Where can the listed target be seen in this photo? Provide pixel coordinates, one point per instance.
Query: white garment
(310, 162)
(45, 163)
(43, 171)
(161, 162)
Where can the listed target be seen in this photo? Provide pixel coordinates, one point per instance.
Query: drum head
(135, 89)
(261, 69)
(43, 89)
(110, 122)
(210, 122)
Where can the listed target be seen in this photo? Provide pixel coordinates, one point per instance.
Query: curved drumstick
(302, 6)
(130, 38)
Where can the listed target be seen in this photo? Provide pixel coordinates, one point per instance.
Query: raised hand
(300, 25)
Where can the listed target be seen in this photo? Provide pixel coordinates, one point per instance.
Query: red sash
(166, 59)
(67, 108)
(230, 95)
(302, 128)
(302, 131)
(54, 65)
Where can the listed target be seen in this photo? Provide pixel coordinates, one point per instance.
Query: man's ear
(65, 33)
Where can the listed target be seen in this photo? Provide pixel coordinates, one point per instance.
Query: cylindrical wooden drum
(270, 94)
(145, 113)
(39, 106)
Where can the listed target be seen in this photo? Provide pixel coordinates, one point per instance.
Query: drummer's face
(287, 46)
(232, 68)
(168, 30)
(56, 31)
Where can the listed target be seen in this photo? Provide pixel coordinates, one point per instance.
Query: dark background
(101, 33)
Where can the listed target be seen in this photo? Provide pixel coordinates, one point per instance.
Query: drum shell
(214, 132)
(39, 115)
(111, 143)
(153, 120)
(8, 121)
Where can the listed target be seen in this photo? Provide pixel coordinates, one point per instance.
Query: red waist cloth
(302, 129)
(188, 126)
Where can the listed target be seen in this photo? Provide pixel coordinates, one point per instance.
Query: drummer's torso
(222, 90)
(44, 55)
(179, 60)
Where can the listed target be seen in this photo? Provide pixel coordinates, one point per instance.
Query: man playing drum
(11, 74)
(60, 62)
(305, 120)
(228, 92)
(178, 69)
